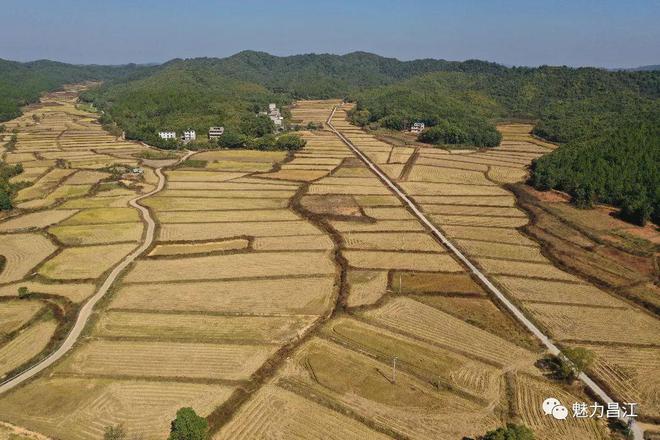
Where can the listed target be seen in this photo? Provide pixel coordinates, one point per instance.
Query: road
(86, 311)
(517, 313)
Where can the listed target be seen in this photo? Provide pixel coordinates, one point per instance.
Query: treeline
(8, 189)
(24, 83)
(619, 166)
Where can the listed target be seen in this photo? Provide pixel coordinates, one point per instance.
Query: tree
(5, 200)
(289, 142)
(510, 432)
(188, 426)
(231, 139)
(116, 432)
(258, 126)
(575, 361)
(23, 292)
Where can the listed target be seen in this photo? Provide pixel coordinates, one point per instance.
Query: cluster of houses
(274, 114)
(191, 135)
(417, 127)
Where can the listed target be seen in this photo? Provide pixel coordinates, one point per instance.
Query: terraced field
(56, 253)
(280, 290)
(462, 193)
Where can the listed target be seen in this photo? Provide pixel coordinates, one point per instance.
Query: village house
(188, 135)
(167, 135)
(417, 127)
(275, 115)
(216, 132)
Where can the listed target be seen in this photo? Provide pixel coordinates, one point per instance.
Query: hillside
(23, 83)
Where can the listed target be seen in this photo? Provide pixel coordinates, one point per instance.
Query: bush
(188, 426)
(290, 142)
(510, 432)
(232, 139)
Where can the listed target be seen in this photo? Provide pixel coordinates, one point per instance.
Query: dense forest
(23, 83)
(605, 121)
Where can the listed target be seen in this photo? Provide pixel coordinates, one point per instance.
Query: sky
(602, 33)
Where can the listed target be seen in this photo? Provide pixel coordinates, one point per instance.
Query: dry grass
(216, 231)
(22, 253)
(280, 296)
(74, 263)
(36, 220)
(199, 248)
(166, 359)
(392, 241)
(202, 328)
(15, 314)
(365, 287)
(97, 234)
(591, 324)
(402, 261)
(80, 409)
(435, 326)
(497, 235)
(423, 282)
(102, 216)
(526, 289)
(262, 264)
(26, 345)
(499, 250)
(522, 269)
(366, 388)
(276, 413)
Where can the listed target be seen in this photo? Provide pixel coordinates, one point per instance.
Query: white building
(167, 134)
(216, 132)
(189, 135)
(417, 127)
(275, 115)
(272, 108)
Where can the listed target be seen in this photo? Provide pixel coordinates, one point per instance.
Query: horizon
(581, 33)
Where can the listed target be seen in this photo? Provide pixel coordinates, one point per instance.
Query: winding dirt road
(87, 309)
(517, 313)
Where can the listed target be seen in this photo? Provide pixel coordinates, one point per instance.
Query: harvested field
(270, 215)
(216, 231)
(202, 328)
(22, 252)
(388, 200)
(35, 220)
(467, 210)
(434, 326)
(73, 263)
(261, 264)
(430, 189)
(76, 292)
(402, 261)
(26, 345)
(97, 234)
(582, 323)
(280, 296)
(497, 235)
(15, 314)
(79, 409)
(365, 287)
(297, 175)
(87, 177)
(103, 216)
(466, 200)
(267, 157)
(522, 269)
(297, 243)
(209, 204)
(504, 251)
(388, 213)
(526, 289)
(277, 413)
(453, 370)
(631, 373)
(333, 204)
(199, 248)
(198, 176)
(482, 313)
(425, 173)
(366, 389)
(476, 220)
(530, 391)
(381, 226)
(424, 282)
(392, 241)
(166, 359)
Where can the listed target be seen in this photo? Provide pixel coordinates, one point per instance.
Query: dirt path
(515, 311)
(87, 309)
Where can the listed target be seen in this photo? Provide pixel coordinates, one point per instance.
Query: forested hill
(23, 83)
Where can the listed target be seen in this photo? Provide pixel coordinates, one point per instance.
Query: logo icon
(553, 407)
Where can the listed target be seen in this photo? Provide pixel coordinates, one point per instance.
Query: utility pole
(394, 370)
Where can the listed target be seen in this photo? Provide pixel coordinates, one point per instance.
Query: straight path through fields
(518, 314)
(87, 309)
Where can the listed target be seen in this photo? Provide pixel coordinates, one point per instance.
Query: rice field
(26, 345)
(15, 314)
(73, 263)
(199, 248)
(97, 234)
(22, 252)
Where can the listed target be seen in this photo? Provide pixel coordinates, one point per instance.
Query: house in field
(167, 135)
(216, 132)
(275, 115)
(417, 127)
(188, 135)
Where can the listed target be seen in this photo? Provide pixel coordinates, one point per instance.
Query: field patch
(22, 252)
(402, 261)
(424, 282)
(199, 248)
(74, 263)
(36, 220)
(526, 289)
(26, 345)
(97, 234)
(392, 241)
(216, 231)
(15, 314)
(103, 216)
(166, 359)
(365, 286)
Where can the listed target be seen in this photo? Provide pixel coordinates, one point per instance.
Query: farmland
(281, 287)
